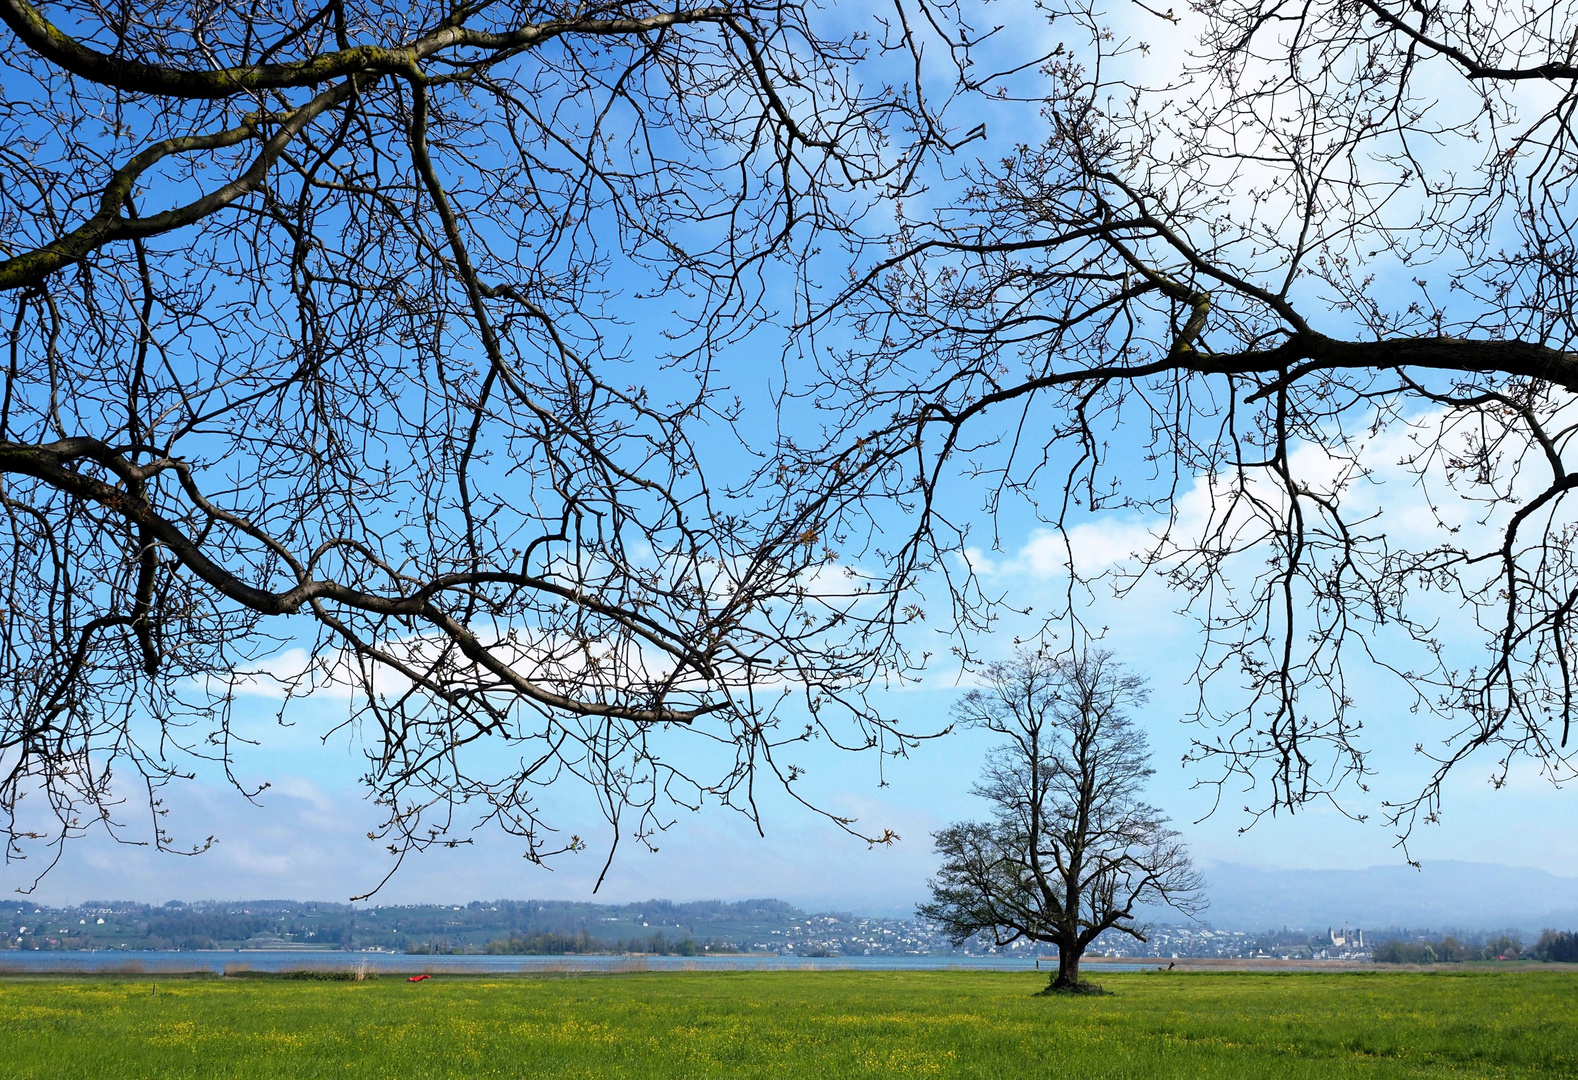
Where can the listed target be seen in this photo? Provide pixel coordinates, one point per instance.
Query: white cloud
(305, 842)
(1418, 506)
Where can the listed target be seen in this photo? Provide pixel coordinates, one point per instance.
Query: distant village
(1177, 942)
(761, 927)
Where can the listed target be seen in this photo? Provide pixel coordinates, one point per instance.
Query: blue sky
(306, 838)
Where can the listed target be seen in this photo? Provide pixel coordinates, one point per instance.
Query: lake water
(126, 961)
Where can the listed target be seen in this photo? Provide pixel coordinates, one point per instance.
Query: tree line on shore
(1553, 945)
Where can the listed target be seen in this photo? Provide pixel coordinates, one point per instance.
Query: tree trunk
(1067, 978)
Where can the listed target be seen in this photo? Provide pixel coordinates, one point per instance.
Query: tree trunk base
(1084, 987)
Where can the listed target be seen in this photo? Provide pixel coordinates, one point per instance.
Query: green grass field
(795, 1024)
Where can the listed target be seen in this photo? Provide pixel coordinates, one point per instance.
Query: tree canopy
(326, 329)
(426, 340)
(1290, 285)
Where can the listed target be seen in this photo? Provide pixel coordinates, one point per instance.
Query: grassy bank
(794, 1024)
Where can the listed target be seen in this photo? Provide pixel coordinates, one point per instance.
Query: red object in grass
(418, 978)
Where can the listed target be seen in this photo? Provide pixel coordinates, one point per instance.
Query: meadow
(794, 1024)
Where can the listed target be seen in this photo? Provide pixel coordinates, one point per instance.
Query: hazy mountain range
(1439, 895)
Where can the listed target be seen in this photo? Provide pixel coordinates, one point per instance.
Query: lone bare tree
(1072, 849)
(386, 332)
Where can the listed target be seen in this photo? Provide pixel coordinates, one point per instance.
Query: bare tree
(1072, 849)
(389, 331)
(1254, 295)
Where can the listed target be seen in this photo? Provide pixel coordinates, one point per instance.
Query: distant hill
(1439, 895)
(506, 926)
(1442, 896)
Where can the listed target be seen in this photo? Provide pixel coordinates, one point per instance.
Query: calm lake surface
(126, 961)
